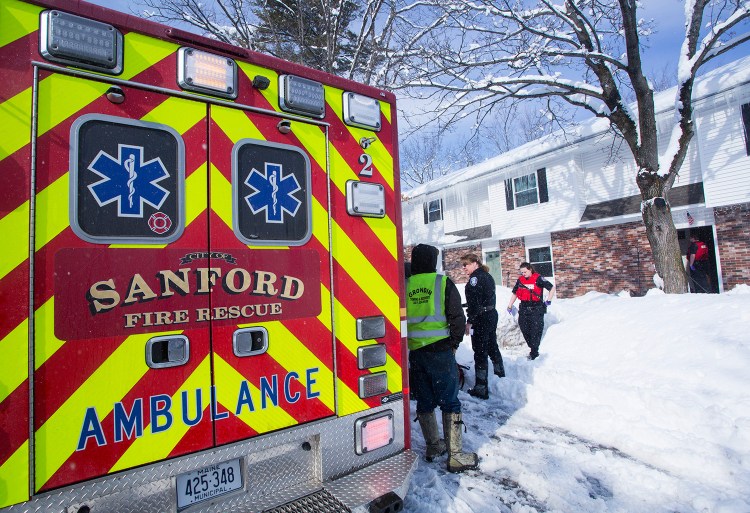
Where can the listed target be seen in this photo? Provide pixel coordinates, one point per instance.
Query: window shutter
(746, 123)
(541, 181)
(441, 209)
(426, 213)
(508, 194)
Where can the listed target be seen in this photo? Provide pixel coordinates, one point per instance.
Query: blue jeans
(435, 380)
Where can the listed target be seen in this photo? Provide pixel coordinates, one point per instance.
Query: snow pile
(635, 405)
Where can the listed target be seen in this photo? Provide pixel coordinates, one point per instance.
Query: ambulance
(201, 275)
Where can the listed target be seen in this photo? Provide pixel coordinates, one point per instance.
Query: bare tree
(363, 40)
(586, 54)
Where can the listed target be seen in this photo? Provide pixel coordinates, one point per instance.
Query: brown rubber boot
(458, 461)
(435, 444)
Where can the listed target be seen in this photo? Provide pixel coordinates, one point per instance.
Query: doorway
(705, 234)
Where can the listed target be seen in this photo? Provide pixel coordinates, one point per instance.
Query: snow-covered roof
(721, 79)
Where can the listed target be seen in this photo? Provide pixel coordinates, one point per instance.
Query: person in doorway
(435, 325)
(482, 323)
(529, 288)
(697, 260)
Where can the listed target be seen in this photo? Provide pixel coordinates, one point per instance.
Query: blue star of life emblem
(128, 180)
(273, 193)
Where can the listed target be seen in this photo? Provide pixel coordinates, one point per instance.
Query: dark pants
(700, 277)
(435, 382)
(484, 340)
(531, 322)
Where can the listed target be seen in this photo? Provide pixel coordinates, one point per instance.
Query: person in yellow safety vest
(435, 324)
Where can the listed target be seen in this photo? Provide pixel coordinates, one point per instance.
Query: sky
(636, 404)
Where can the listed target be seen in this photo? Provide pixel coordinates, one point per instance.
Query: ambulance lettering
(129, 425)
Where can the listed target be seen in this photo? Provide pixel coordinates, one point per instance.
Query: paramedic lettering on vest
(697, 256)
(481, 323)
(529, 289)
(435, 325)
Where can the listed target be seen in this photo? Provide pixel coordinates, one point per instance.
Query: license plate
(208, 482)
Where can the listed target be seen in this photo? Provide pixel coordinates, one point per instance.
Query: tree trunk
(662, 236)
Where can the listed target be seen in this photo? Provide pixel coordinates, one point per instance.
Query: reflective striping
(79, 93)
(196, 192)
(293, 354)
(429, 334)
(271, 94)
(15, 229)
(24, 19)
(14, 476)
(235, 124)
(44, 330)
(228, 382)
(351, 259)
(221, 188)
(143, 52)
(150, 447)
(429, 318)
(52, 211)
(177, 113)
(349, 400)
(56, 440)
(15, 130)
(15, 353)
(385, 108)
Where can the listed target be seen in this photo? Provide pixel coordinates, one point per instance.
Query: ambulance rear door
(122, 364)
(269, 240)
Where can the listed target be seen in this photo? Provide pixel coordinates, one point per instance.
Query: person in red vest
(697, 257)
(529, 288)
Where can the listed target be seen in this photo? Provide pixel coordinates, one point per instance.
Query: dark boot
(458, 461)
(480, 389)
(435, 444)
(498, 368)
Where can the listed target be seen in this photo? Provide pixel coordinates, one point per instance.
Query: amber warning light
(207, 73)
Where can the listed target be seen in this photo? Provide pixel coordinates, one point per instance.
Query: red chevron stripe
(14, 420)
(14, 298)
(17, 72)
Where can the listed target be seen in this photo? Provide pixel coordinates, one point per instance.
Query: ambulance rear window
(271, 193)
(127, 181)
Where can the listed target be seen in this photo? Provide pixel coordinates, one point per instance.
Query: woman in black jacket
(482, 323)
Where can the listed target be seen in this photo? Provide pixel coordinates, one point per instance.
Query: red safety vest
(524, 292)
(702, 252)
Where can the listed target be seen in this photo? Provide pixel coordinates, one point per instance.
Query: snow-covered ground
(637, 405)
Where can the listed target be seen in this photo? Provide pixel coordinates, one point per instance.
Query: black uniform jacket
(480, 294)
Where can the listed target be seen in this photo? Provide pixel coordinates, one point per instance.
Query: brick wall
(512, 253)
(452, 261)
(605, 259)
(733, 234)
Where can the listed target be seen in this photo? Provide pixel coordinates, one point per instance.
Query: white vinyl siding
(560, 212)
(723, 154)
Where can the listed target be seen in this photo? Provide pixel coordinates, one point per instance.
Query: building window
(526, 190)
(433, 211)
(746, 125)
(541, 259)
